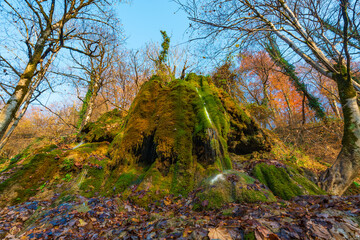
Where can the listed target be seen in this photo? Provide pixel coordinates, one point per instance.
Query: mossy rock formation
(284, 181)
(232, 186)
(174, 136)
(180, 132)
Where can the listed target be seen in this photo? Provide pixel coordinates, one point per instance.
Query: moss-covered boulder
(232, 187)
(105, 128)
(174, 135)
(285, 181)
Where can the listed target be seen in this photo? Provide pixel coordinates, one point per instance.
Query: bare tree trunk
(88, 105)
(14, 124)
(333, 103)
(289, 108)
(8, 112)
(335, 108)
(303, 110)
(27, 100)
(339, 177)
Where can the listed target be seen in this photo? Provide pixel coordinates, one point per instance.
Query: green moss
(233, 186)
(154, 186)
(124, 181)
(67, 164)
(105, 128)
(253, 196)
(48, 148)
(250, 236)
(285, 182)
(88, 147)
(93, 182)
(308, 186)
(32, 176)
(278, 180)
(227, 212)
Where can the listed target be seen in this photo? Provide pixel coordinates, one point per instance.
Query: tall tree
(43, 28)
(300, 26)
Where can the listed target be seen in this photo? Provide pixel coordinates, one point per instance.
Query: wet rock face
(208, 149)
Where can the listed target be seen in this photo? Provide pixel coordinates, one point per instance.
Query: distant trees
(32, 33)
(321, 33)
(275, 101)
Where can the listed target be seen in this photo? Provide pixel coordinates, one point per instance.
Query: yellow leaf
(167, 202)
(219, 233)
(82, 223)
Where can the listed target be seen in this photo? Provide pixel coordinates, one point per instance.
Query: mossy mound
(105, 128)
(284, 181)
(232, 187)
(51, 170)
(177, 133)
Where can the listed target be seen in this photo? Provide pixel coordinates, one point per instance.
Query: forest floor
(76, 217)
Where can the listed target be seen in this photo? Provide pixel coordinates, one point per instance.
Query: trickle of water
(205, 109)
(211, 132)
(79, 145)
(207, 115)
(218, 177)
(82, 177)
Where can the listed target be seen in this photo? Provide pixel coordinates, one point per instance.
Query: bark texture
(339, 177)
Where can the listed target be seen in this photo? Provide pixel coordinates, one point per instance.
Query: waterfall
(205, 109)
(211, 132)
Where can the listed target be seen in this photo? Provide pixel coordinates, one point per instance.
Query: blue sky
(143, 19)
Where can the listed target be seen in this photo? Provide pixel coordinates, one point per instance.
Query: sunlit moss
(232, 187)
(285, 182)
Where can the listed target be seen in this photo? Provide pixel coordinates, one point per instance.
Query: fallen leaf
(82, 223)
(220, 233)
(262, 233)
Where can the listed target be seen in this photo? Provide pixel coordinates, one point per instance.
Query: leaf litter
(305, 217)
